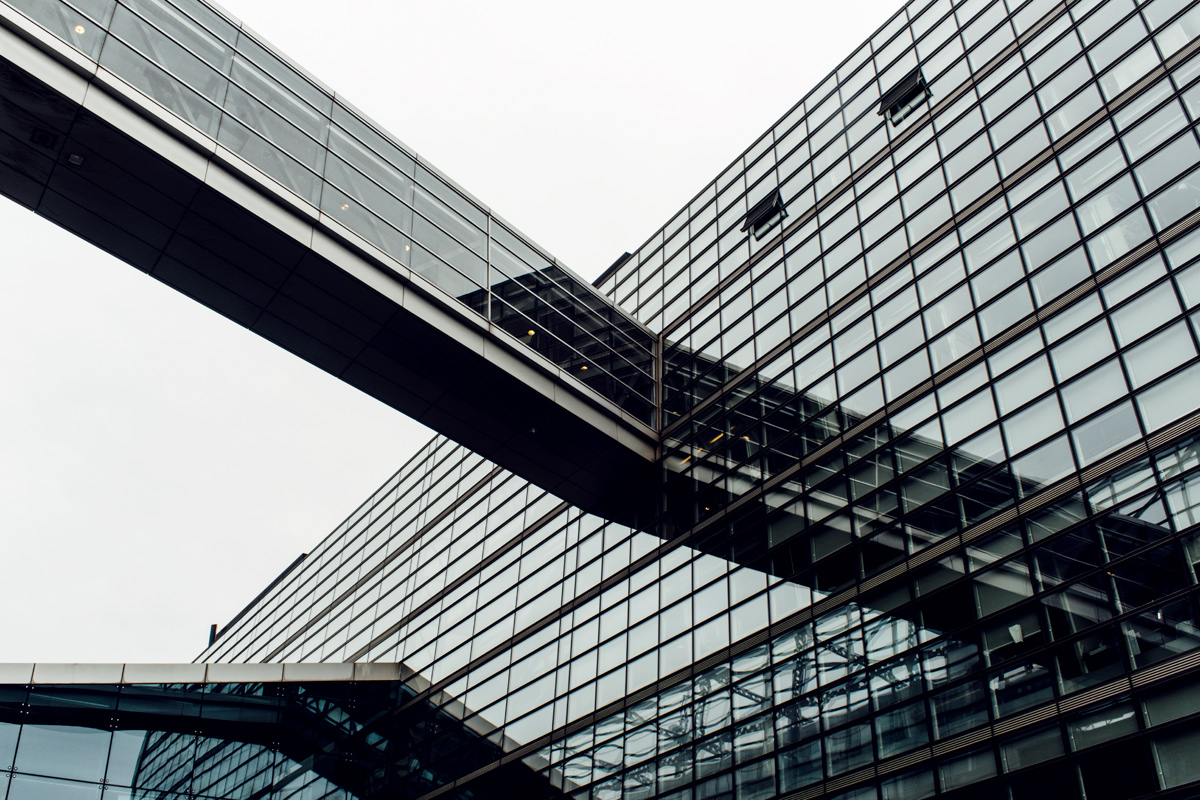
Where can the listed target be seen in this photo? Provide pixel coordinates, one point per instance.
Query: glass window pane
(28, 787)
(63, 751)
(1034, 424)
(1023, 385)
(1166, 402)
(1094, 390)
(1106, 433)
(1136, 318)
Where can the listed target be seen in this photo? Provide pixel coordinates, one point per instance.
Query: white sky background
(159, 465)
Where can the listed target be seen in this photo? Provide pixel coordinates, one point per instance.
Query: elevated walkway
(250, 730)
(171, 137)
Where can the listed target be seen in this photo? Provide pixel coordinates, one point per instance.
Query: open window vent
(765, 214)
(900, 101)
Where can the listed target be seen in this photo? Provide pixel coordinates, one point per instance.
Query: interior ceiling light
(584, 366)
(346, 206)
(531, 333)
(80, 29)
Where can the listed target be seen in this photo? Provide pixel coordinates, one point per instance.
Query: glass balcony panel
(279, 115)
(270, 159)
(366, 192)
(77, 30)
(191, 24)
(350, 212)
(191, 106)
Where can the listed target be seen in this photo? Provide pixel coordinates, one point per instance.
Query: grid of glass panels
(877, 200)
(842, 602)
(236, 92)
(485, 584)
(963, 293)
(54, 744)
(1066, 599)
(316, 740)
(812, 284)
(1094, 584)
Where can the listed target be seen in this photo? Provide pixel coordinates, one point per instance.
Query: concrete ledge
(135, 104)
(16, 673)
(318, 672)
(367, 671)
(164, 673)
(78, 673)
(116, 113)
(24, 38)
(227, 183)
(114, 674)
(244, 673)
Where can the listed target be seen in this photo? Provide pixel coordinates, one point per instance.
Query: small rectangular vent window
(765, 214)
(900, 101)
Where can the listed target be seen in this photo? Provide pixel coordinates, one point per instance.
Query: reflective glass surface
(928, 519)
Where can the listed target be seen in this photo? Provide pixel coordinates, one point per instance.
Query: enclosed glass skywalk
(236, 95)
(167, 134)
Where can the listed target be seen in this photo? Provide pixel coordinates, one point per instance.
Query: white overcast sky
(159, 465)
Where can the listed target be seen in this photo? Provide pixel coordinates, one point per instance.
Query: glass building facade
(925, 364)
(168, 732)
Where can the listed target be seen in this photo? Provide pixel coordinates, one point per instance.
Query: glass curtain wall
(928, 509)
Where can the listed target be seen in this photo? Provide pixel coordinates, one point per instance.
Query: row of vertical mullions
(965, 679)
(1035, 124)
(600, 587)
(908, 137)
(597, 326)
(833, 96)
(580, 361)
(1164, 378)
(540, 302)
(793, 119)
(1096, 413)
(403, 620)
(880, 238)
(313, 569)
(439, 541)
(682, 219)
